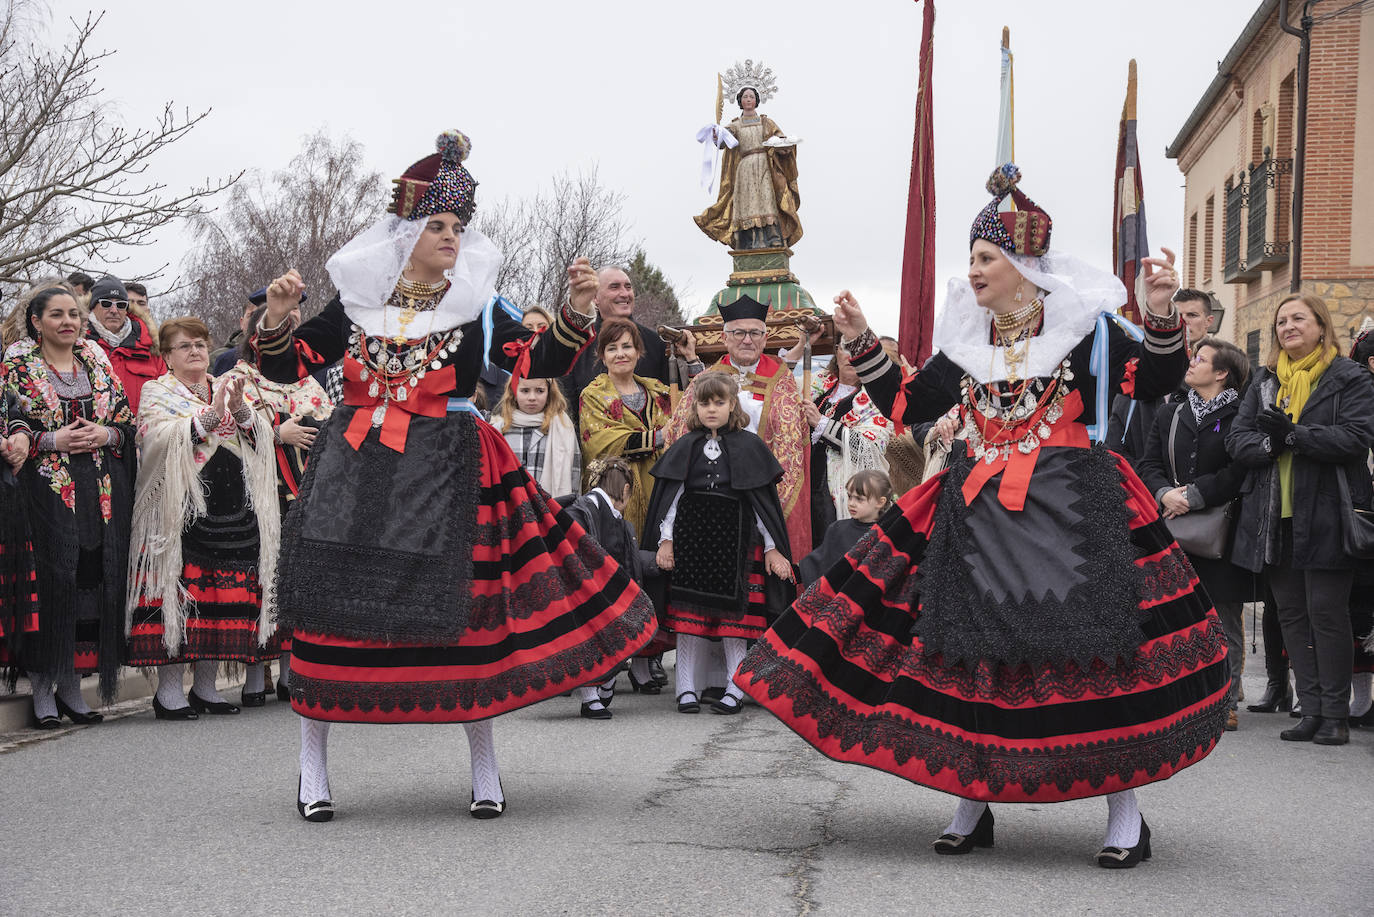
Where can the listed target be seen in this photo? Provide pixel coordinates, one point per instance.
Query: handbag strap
(1173, 432)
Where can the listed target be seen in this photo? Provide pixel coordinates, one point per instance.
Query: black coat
(1336, 429)
(1204, 464)
(1128, 428)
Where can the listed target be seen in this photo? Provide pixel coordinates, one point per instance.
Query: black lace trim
(1019, 685)
(1099, 619)
(1126, 759)
(542, 678)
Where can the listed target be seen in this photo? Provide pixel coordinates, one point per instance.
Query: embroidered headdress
(438, 183)
(1023, 230)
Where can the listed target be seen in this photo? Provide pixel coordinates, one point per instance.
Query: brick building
(1237, 149)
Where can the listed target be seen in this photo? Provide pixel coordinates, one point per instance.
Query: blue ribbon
(1099, 365)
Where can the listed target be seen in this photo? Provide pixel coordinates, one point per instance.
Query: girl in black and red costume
(1024, 629)
(425, 577)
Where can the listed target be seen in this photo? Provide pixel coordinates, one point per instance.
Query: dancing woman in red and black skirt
(424, 576)
(1025, 629)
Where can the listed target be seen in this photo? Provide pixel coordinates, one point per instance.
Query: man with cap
(125, 333)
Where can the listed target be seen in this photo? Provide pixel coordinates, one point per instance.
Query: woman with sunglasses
(123, 329)
(70, 442)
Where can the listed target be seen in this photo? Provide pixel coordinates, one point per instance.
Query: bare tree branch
(296, 218)
(73, 179)
(575, 217)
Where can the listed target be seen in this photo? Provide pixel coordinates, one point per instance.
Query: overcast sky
(542, 87)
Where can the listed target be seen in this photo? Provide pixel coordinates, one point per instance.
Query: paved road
(649, 813)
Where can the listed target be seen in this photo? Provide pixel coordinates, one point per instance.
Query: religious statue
(757, 206)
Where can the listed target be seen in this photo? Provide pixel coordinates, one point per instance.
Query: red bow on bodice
(429, 398)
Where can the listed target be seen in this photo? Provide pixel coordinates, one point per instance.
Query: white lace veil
(1075, 294)
(366, 269)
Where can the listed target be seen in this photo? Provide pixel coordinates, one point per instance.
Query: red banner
(918, 259)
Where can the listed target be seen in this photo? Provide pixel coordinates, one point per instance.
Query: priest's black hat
(744, 307)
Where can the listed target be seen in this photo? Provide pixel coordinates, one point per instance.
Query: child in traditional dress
(870, 495)
(533, 416)
(720, 536)
(601, 511)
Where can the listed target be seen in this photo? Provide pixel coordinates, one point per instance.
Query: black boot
(1278, 695)
(1333, 731)
(1306, 729)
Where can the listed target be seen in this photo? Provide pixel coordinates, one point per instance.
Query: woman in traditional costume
(425, 577)
(206, 530)
(1024, 629)
(70, 421)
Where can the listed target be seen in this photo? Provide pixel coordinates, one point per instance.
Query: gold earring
(1019, 288)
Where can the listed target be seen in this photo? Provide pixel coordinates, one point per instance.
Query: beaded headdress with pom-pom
(1022, 230)
(439, 183)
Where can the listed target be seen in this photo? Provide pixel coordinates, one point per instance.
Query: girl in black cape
(717, 526)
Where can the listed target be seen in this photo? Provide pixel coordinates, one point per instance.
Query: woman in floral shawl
(70, 442)
(295, 411)
(624, 414)
(848, 435)
(206, 529)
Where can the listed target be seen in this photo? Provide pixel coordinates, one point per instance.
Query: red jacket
(134, 364)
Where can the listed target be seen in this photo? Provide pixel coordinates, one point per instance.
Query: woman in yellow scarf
(624, 414)
(1305, 421)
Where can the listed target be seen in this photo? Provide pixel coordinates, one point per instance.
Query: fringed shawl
(862, 446)
(169, 498)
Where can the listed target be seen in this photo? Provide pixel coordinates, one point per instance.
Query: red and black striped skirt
(221, 624)
(844, 669)
(550, 611)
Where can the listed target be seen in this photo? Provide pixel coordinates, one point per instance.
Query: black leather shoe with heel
(958, 844)
(90, 717)
(1127, 857)
(1278, 698)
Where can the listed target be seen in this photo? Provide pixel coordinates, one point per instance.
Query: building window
(1192, 251)
(1208, 240)
(1252, 348)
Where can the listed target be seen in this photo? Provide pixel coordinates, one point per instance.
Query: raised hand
(582, 284)
(1161, 282)
(283, 295)
(849, 318)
